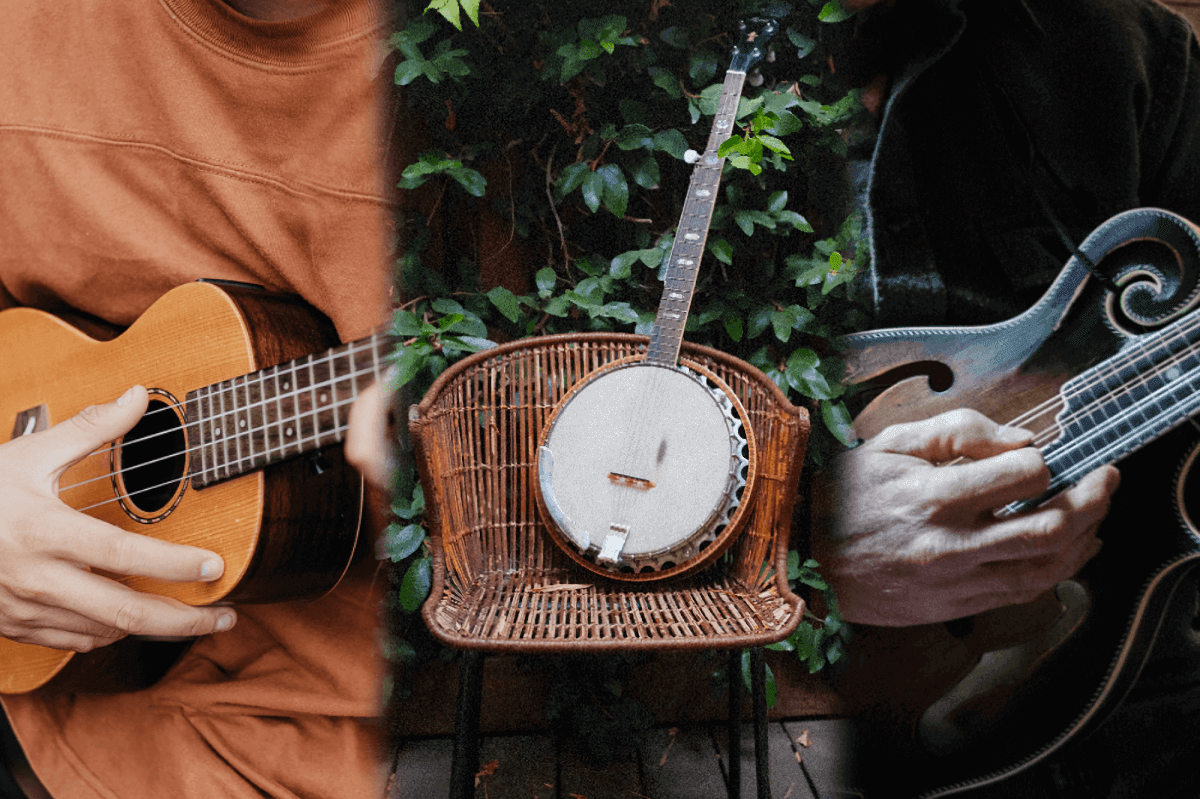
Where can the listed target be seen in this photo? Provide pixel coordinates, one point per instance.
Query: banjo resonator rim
(702, 546)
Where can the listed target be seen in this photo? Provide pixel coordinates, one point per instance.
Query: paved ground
(670, 763)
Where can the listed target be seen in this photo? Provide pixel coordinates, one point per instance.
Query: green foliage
(588, 109)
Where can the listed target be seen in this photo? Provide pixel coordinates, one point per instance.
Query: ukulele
(230, 456)
(1100, 375)
(645, 466)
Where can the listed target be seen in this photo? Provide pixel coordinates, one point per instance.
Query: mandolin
(1101, 374)
(234, 454)
(645, 466)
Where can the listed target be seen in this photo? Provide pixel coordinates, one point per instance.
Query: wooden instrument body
(653, 456)
(284, 532)
(948, 707)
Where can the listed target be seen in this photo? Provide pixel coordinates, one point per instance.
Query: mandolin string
(1142, 347)
(336, 404)
(336, 431)
(1112, 366)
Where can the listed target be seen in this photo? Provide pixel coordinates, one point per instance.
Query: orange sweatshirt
(145, 144)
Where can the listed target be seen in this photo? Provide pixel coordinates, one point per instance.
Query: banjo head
(643, 470)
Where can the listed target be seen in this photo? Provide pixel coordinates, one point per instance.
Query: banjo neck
(683, 264)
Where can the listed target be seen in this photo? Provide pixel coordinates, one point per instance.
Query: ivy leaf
(804, 44)
(449, 9)
(634, 137)
(833, 12)
(837, 420)
(703, 66)
(506, 302)
(408, 363)
(777, 202)
(414, 588)
(444, 305)
(759, 321)
(804, 376)
(474, 182)
(622, 311)
(406, 323)
(410, 509)
(398, 542)
(665, 80)
(771, 689)
(616, 189)
(733, 326)
(593, 191)
(545, 280)
(722, 250)
(645, 173)
(671, 141)
(676, 37)
(571, 178)
(793, 564)
(409, 70)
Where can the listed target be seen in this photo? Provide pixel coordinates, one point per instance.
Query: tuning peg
(691, 156)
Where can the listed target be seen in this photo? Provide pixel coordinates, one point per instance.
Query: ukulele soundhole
(150, 461)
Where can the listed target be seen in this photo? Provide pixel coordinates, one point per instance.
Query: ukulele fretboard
(265, 417)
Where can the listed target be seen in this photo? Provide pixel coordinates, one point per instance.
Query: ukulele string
(316, 437)
(352, 349)
(335, 405)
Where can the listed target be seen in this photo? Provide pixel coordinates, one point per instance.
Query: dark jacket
(1096, 102)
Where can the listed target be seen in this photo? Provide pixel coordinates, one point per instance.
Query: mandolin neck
(683, 264)
(1124, 403)
(262, 418)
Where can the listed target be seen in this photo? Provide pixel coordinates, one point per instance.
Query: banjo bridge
(641, 484)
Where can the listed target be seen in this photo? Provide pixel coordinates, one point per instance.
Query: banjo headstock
(754, 34)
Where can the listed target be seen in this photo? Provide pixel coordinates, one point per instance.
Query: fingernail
(126, 398)
(210, 569)
(225, 622)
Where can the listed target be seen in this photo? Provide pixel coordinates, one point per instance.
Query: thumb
(93, 427)
(954, 434)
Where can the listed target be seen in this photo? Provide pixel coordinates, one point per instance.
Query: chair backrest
(476, 433)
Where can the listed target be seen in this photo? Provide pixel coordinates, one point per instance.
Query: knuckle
(90, 420)
(131, 616)
(198, 625)
(121, 553)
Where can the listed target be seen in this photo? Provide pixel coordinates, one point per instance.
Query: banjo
(645, 467)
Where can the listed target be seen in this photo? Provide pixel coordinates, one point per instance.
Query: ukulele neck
(262, 418)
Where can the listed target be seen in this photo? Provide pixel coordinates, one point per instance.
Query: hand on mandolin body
(911, 542)
(48, 594)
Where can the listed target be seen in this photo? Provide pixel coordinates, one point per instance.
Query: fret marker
(684, 261)
(673, 315)
(710, 160)
(286, 385)
(722, 123)
(324, 398)
(675, 295)
(243, 423)
(216, 431)
(287, 432)
(704, 193)
(1173, 373)
(691, 236)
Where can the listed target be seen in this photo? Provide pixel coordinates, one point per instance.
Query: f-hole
(150, 461)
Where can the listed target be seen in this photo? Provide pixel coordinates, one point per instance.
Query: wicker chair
(500, 584)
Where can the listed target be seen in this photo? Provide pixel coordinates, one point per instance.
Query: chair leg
(465, 763)
(758, 686)
(734, 765)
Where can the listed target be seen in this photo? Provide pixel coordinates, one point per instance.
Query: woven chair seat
(501, 584)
